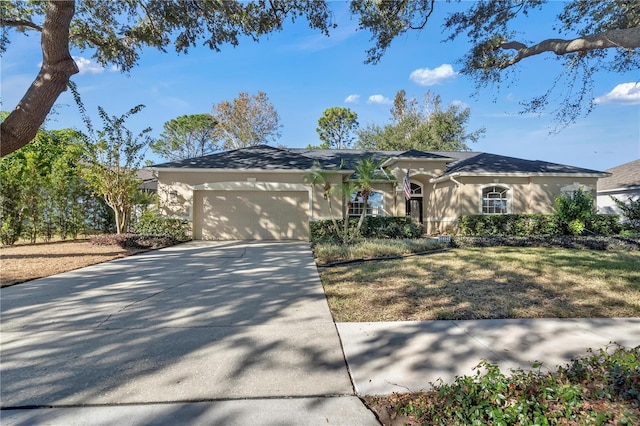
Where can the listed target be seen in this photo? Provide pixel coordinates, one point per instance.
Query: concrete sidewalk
(407, 356)
(203, 333)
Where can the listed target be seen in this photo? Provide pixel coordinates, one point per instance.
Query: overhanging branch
(628, 38)
(22, 124)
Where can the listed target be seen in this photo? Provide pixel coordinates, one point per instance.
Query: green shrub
(385, 227)
(593, 242)
(150, 224)
(575, 210)
(604, 224)
(600, 388)
(527, 225)
(522, 225)
(631, 212)
(9, 234)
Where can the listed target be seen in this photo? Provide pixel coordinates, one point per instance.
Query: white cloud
(378, 99)
(460, 104)
(87, 66)
(625, 93)
(429, 77)
(352, 99)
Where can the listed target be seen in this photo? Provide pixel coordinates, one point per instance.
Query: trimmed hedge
(383, 227)
(599, 242)
(150, 224)
(524, 225)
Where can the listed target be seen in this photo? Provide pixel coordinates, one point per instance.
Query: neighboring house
(260, 193)
(623, 183)
(149, 182)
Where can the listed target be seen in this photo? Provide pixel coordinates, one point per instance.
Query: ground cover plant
(487, 282)
(600, 388)
(373, 248)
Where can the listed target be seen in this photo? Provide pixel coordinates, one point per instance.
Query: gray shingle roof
(331, 158)
(624, 176)
(492, 163)
(264, 157)
(260, 157)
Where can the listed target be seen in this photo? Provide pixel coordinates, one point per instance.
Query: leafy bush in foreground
(389, 227)
(564, 241)
(150, 224)
(601, 388)
(533, 225)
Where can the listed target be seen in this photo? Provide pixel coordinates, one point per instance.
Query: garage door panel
(260, 215)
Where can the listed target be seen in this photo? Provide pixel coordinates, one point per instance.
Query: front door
(414, 209)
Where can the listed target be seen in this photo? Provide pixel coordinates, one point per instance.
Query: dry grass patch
(477, 283)
(27, 262)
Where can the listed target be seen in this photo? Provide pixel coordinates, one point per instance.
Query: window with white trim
(495, 200)
(374, 204)
(416, 190)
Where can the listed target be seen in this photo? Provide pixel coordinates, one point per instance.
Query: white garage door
(251, 215)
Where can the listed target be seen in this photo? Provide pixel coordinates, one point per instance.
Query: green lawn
(496, 282)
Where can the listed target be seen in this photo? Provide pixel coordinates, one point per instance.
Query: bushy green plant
(529, 397)
(631, 211)
(604, 224)
(151, 224)
(574, 210)
(522, 225)
(389, 227)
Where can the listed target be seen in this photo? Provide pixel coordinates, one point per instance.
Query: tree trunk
(21, 126)
(365, 202)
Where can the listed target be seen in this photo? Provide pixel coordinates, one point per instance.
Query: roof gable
(624, 176)
(498, 164)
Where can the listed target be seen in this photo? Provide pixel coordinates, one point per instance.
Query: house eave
(620, 190)
(229, 170)
(516, 174)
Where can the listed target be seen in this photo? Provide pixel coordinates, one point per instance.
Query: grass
(601, 388)
(488, 282)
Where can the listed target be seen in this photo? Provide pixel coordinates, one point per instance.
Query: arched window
(495, 200)
(374, 205)
(416, 190)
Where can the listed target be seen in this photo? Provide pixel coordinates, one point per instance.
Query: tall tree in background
(187, 136)
(114, 155)
(587, 37)
(246, 121)
(427, 127)
(336, 126)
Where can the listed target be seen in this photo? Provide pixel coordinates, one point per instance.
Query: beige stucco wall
(443, 202)
(184, 183)
(528, 195)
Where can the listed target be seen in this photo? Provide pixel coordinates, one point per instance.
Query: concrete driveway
(202, 321)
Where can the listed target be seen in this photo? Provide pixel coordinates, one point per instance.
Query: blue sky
(303, 73)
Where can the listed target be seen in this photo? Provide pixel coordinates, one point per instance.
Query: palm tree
(367, 171)
(317, 176)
